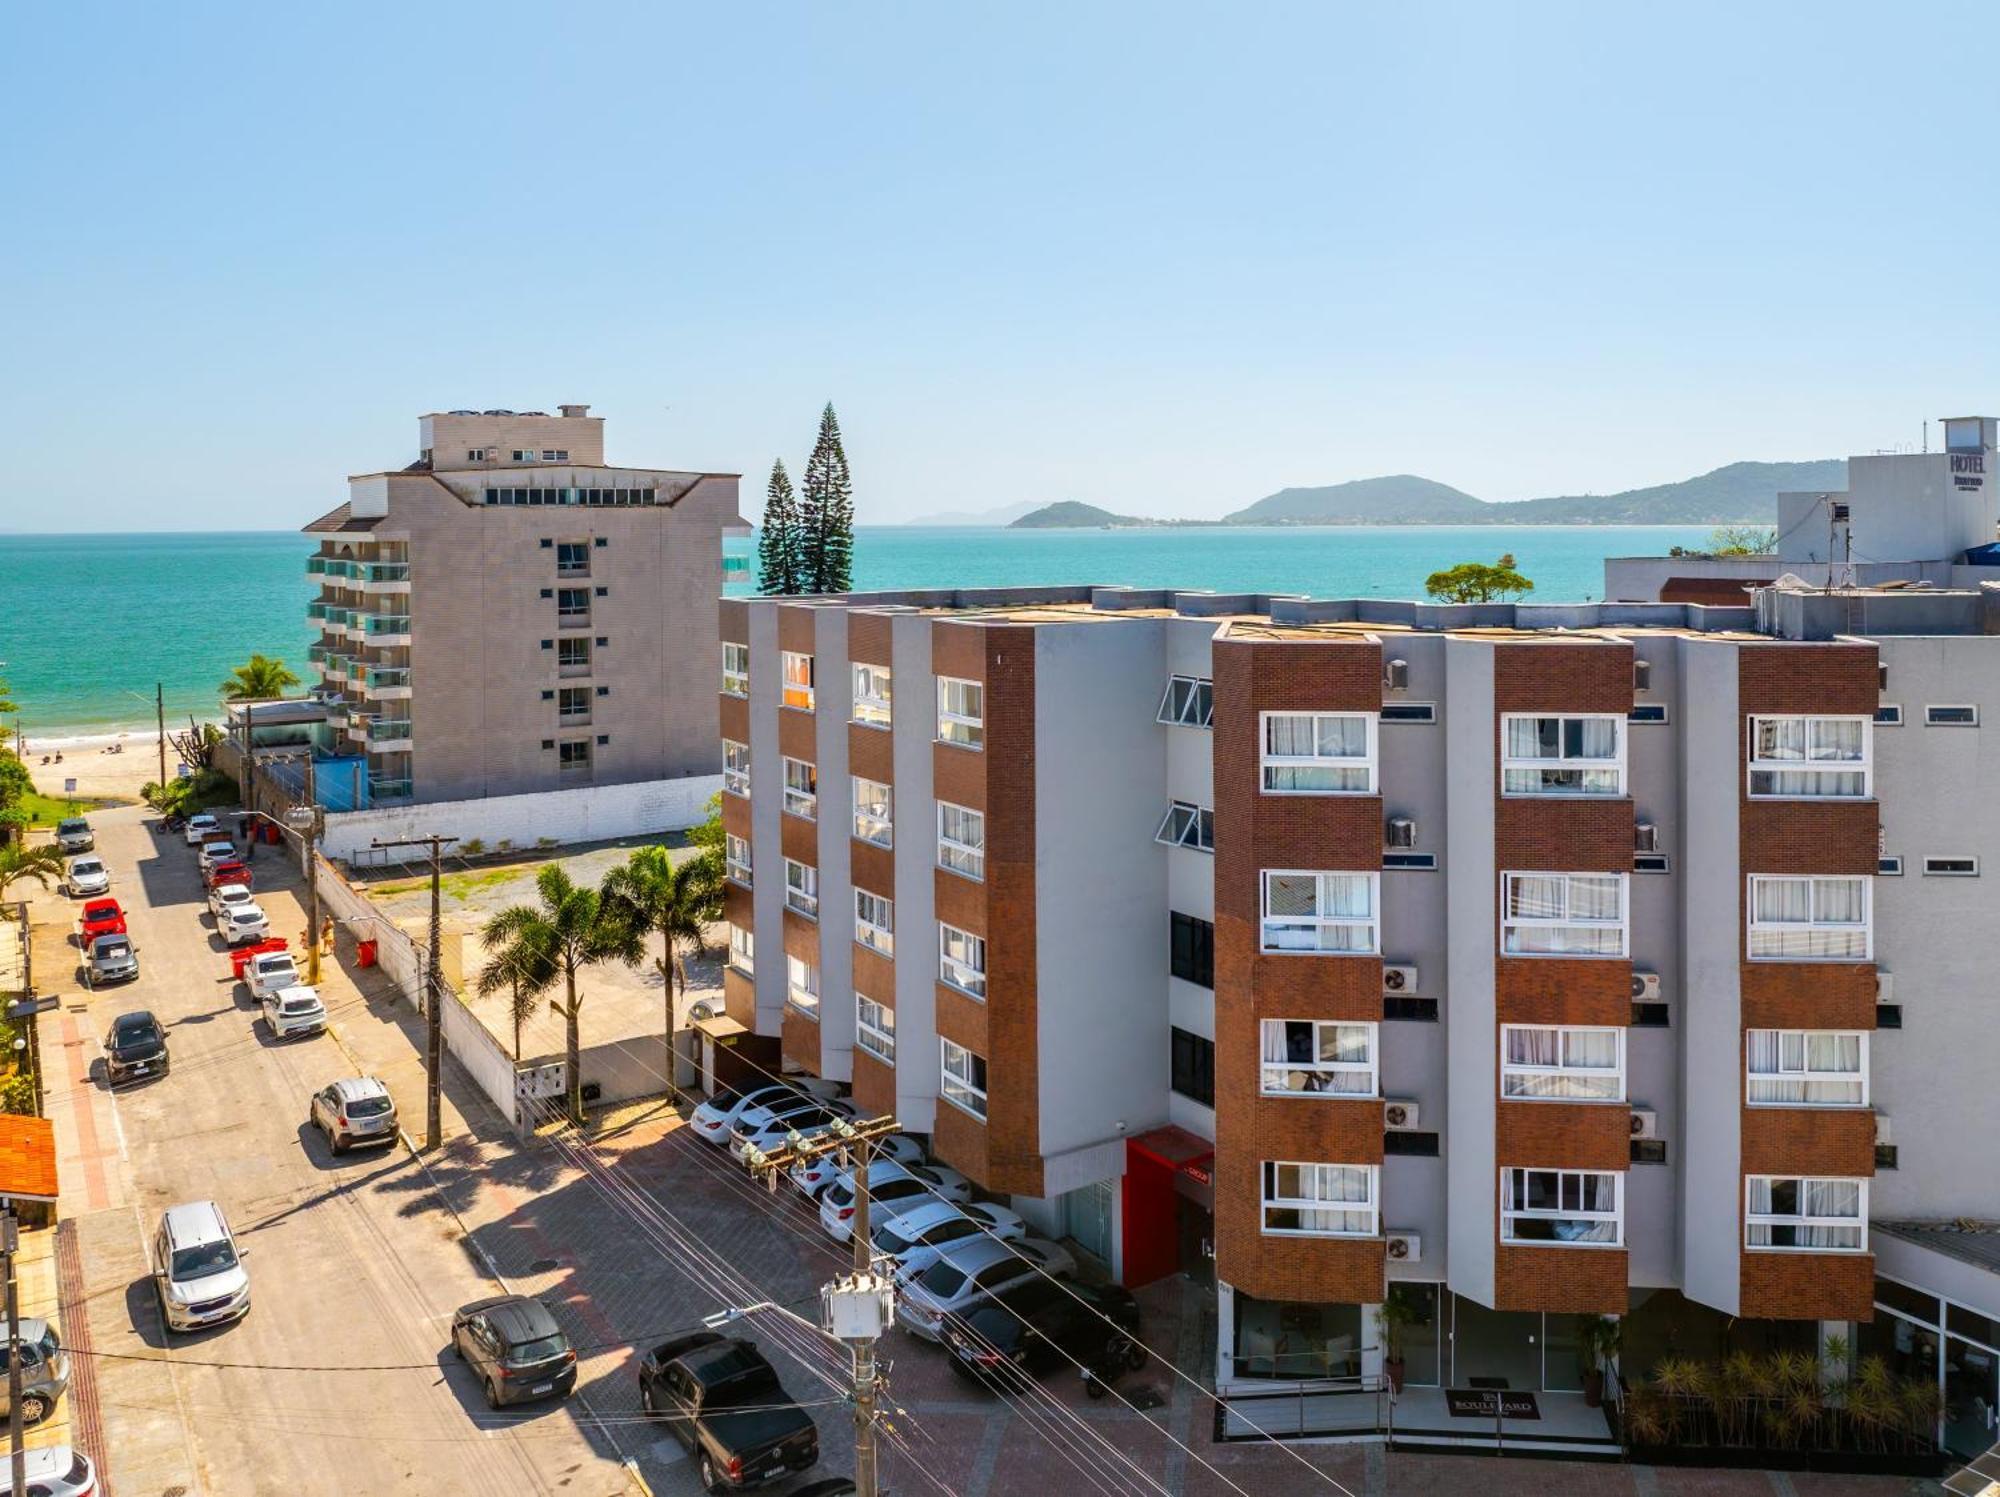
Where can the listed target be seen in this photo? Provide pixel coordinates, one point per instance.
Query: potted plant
(1597, 1339)
(1395, 1312)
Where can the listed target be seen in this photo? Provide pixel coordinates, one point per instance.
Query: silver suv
(44, 1371)
(198, 1269)
(357, 1110)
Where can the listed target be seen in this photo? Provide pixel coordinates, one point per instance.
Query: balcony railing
(383, 571)
(388, 729)
(380, 676)
(387, 790)
(384, 623)
(317, 653)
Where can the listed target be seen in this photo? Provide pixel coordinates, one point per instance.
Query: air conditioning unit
(1645, 1123)
(1399, 1114)
(1642, 675)
(1885, 987)
(1645, 987)
(1882, 1134)
(1645, 837)
(1405, 1247)
(1399, 979)
(1396, 675)
(1882, 675)
(1401, 832)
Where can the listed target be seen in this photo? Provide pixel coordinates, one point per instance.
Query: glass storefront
(1918, 1334)
(1423, 1337)
(1086, 1219)
(1294, 1341)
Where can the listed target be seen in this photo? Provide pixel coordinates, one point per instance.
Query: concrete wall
(590, 814)
(1470, 1144)
(1190, 875)
(914, 725)
(833, 695)
(1901, 507)
(1709, 1006)
(450, 438)
(767, 857)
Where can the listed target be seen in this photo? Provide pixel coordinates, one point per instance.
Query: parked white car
(892, 1186)
(292, 1012)
(86, 876)
(767, 1128)
(200, 827)
(269, 971)
(815, 1174)
(243, 922)
(969, 1273)
(918, 1238)
(223, 895)
(715, 1117)
(216, 850)
(61, 1471)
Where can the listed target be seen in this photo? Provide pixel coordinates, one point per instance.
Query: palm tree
(657, 896)
(573, 928)
(41, 864)
(526, 975)
(259, 680)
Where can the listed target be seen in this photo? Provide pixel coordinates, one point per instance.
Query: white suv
(269, 971)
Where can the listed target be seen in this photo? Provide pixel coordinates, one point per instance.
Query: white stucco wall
(592, 813)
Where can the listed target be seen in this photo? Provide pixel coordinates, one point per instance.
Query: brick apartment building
(1539, 962)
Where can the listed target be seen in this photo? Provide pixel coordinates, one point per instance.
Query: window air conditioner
(1882, 1134)
(1642, 675)
(1405, 1247)
(1645, 837)
(1401, 832)
(1399, 1114)
(1399, 979)
(1645, 1123)
(1396, 675)
(1645, 987)
(1882, 675)
(1885, 988)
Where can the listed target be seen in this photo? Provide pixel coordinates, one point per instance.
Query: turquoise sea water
(89, 622)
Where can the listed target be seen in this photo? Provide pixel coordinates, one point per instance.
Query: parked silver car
(112, 958)
(86, 876)
(73, 834)
(198, 1269)
(44, 1371)
(355, 1110)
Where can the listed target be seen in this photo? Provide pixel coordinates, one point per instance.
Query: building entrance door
(1494, 1348)
(1197, 1237)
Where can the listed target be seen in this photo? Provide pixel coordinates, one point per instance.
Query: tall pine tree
(826, 515)
(780, 546)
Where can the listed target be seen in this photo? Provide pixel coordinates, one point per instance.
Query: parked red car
(228, 873)
(102, 917)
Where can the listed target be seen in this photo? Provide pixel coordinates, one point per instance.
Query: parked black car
(724, 1402)
(136, 1046)
(516, 1349)
(1041, 1324)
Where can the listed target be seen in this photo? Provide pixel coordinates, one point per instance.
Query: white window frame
(1196, 707)
(965, 973)
(801, 801)
(957, 724)
(1866, 926)
(880, 830)
(1933, 865)
(743, 949)
(802, 892)
(736, 861)
(1820, 767)
(1931, 719)
(1770, 1219)
(872, 1036)
(735, 767)
(1565, 921)
(1367, 763)
(1563, 1069)
(1563, 763)
(1187, 825)
(1369, 1209)
(875, 922)
(735, 669)
(1369, 1069)
(1804, 1074)
(796, 679)
(801, 986)
(1370, 925)
(1509, 1214)
(956, 1085)
(971, 860)
(871, 706)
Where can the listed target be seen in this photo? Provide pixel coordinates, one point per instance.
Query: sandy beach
(99, 775)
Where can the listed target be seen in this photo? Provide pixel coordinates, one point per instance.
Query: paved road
(354, 1263)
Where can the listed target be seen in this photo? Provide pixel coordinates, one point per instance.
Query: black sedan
(135, 1048)
(515, 1348)
(1043, 1324)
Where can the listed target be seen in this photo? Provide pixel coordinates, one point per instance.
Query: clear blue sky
(1161, 257)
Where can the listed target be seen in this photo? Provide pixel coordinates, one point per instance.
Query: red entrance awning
(1179, 1150)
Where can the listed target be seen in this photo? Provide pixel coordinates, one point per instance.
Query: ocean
(88, 623)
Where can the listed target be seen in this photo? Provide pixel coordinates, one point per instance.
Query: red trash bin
(364, 953)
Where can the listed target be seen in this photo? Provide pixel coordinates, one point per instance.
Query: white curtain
(1598, 738)
(1347, 895)
(1838, 739)
(1594, 896)
(1536, 896)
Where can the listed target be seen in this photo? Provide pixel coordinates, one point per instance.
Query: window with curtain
(1319, 753)
(1796, 918)
(736, 859)
(961, 712)
(742, 948)
(1563, 914)
(962, 959)
(1581, 755)
(797, 686)
(874, 812)
(961, 840)
(735, 669)
(1810, 756)
(871, 695)
(802, 986)
(1806, 1068)
(1562, 1063)
(875, 1029)
(1320, 912)
(1804, 1214)
(735, 767)
(1313, 1057)
(802, 888)
(801, 789)
(875, 922)
(1320, 1200)
(1561, 1206)
(964, 1078)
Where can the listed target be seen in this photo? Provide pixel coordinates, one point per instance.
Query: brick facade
(1809, 1286)
(874, 1086)
(1561, 1280)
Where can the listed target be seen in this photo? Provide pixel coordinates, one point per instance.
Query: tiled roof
(27, 1158)
(340, 518)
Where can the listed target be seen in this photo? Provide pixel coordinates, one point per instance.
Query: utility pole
(315, 819)
(433, 988)
(10, 1242)
(859, 1308)
(160, 717)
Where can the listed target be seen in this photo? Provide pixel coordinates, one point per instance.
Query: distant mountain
(1741, 492)
(1006, 514)
(1068, 514)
